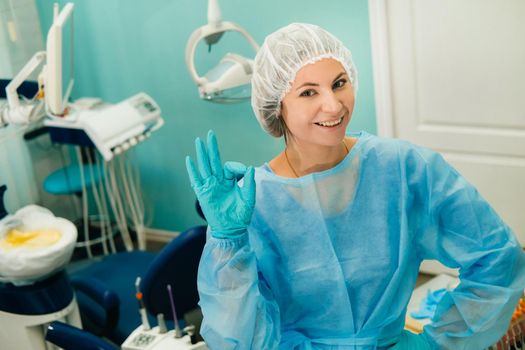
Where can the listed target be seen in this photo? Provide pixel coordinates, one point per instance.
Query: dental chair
(97, 280)
(98, 284)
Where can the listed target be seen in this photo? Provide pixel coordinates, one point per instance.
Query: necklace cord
(290, 164)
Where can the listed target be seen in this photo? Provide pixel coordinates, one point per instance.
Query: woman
(326, 252)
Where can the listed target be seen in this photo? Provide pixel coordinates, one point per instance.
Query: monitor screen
(59, 67)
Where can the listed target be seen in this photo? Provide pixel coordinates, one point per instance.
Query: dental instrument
(190, 331)
(229, 80)
(162, 324)
(142, 308)
(178, 332)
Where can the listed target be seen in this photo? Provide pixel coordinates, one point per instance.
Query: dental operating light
(229, 80)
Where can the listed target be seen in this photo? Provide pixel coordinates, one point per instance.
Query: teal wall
(126, 46)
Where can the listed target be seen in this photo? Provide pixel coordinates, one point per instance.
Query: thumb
(248, 187)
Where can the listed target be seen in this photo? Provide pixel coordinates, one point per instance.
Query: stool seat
(67, 180)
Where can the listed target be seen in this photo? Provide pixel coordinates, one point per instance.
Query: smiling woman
(320, 248)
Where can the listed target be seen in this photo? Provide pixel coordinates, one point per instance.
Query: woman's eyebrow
(339, 76)
(315, 84)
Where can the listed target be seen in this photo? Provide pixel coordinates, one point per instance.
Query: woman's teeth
(331, 123)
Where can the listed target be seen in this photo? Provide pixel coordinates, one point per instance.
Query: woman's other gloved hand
(227, 207)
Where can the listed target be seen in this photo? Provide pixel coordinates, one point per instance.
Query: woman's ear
(284, 128)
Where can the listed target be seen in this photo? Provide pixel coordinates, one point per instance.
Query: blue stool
(26, 309)
(68, 180)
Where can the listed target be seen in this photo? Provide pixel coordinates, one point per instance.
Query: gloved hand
(429, 304)
(227, 207)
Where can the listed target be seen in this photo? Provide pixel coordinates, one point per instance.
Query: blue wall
(123, 47)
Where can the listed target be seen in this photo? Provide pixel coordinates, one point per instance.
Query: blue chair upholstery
(177, 264)
(101, 300)
(116, 273)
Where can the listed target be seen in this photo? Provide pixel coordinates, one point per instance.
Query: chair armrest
(71, 338)
(108, 300)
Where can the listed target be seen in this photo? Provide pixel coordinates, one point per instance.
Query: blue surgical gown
(329, 260)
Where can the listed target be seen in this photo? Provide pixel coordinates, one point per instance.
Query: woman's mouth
(331, 123)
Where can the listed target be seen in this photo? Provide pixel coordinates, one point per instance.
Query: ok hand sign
(227, 207)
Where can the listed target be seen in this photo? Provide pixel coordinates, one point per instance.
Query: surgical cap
(277, 62)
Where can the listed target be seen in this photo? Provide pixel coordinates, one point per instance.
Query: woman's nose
(330, 103)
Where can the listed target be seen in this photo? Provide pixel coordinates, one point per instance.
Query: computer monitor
(59, 67)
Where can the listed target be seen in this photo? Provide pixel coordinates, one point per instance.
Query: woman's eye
(307, 93)
(339, 84)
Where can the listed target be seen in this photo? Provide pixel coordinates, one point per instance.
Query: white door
(450, 75)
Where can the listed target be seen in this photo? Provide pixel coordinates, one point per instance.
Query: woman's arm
(239, 309)
(239, 312)
(461, 230)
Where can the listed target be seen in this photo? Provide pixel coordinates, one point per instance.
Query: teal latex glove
(227, 207)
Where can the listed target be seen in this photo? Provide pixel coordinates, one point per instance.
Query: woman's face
(319, 105)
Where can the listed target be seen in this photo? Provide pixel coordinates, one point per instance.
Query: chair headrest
(177, 265)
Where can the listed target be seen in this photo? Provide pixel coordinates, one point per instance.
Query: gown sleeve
(460, 229)
(238, 307)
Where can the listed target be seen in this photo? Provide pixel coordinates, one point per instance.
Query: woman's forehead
(318, 72)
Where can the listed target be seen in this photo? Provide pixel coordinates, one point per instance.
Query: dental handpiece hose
(178, 331)
(142, 307)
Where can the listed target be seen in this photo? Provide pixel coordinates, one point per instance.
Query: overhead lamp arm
(214, 12)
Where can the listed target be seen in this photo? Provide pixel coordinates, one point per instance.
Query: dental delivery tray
(112, 129)
(153, 340)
